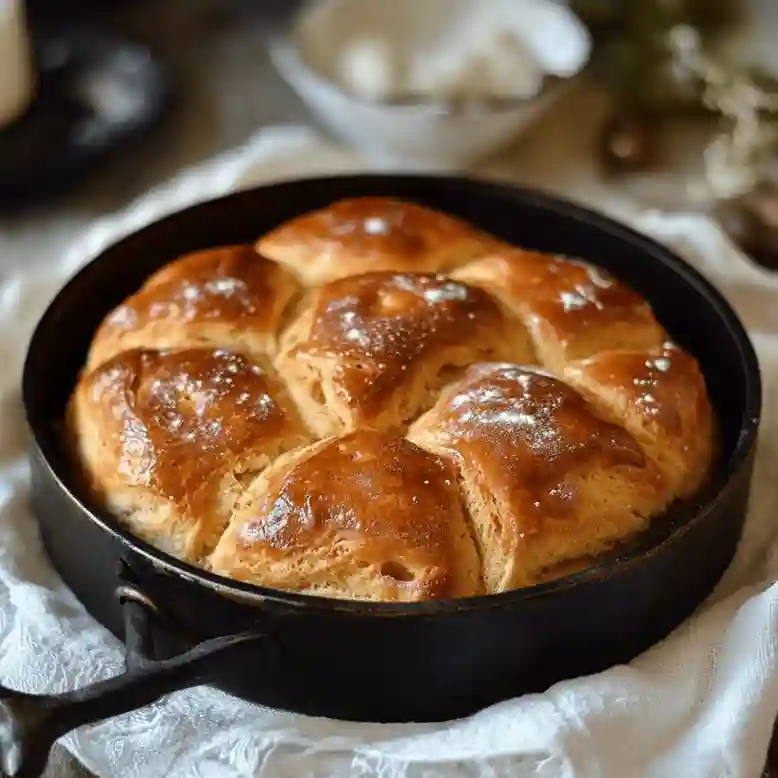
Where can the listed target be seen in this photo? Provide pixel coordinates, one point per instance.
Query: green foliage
(633, 56)
(644, 18)
(659, 57)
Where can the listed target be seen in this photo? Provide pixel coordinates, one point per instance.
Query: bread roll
(368, 516)
(659, 396)
(363, 234)
(373, 350)
(228, 296)
(546, 478)
(168, 439)
(572, 309)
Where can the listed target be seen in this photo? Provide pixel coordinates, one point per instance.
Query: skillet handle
(31, 723)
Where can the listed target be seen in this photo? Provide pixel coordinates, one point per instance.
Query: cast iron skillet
(351, 660)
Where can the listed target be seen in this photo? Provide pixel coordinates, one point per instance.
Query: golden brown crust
(368, 516)
(364, 234)
(547, 478)
(572, 309)
(372, 348)
(224, 297)
(186, 433)
(167, 436)
(661, 398)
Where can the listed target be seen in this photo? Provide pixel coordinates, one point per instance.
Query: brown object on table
(752, 222)
(369, 438)
(628, 142)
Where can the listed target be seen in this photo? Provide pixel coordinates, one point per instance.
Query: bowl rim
(44, 450)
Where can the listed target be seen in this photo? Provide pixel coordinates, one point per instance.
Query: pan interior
(690, 309)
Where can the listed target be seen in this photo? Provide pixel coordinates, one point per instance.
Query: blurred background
(672, 101)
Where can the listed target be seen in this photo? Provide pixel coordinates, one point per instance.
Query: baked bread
(167, 439)
(659, 396)
(545, 478)
(571, 308)
(362, 234)
(373, 350)
(368, 515)
(401, 412)
(228, 295)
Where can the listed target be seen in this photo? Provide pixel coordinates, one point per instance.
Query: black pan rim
(565, 209)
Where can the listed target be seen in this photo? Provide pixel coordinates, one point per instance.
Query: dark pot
(353, 660)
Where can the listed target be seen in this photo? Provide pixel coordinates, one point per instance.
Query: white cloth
(700, 705)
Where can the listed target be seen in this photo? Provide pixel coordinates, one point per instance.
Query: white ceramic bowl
(425, 134)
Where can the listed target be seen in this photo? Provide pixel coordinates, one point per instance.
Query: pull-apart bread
(379, 401)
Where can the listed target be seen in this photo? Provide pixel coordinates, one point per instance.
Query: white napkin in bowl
(700, 705)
